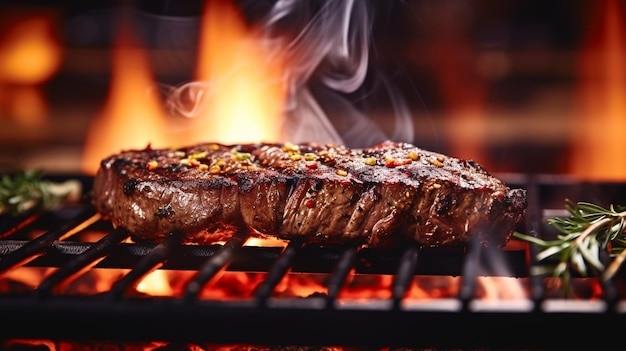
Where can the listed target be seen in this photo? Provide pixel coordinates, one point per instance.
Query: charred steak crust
(383, 196)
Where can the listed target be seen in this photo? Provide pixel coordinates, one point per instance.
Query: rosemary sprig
(588, 231)
(27, 190)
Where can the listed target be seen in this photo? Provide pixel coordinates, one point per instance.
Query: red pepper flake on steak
(383, 196)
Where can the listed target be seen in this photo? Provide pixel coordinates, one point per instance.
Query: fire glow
(30, 53)
(598, 144)
(238, 104)
(230, 285)
(237, 97)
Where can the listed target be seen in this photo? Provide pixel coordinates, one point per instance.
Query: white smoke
(326, 45)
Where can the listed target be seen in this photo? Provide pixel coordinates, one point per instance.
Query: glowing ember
(433, 287)
(233, 285)
(23, 278)
(155, 283)
(366, 287)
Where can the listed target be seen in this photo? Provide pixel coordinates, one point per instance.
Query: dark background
(511, 64)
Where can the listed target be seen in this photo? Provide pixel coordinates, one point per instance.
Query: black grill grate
(462, 321)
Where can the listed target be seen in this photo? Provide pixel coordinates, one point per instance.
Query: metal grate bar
(84, 261)
(215, 264)
(311, 259)
(278, 271)
(404, 275)
(157, 256)
(533, 224)
(38, 245)
(338, 278)
(471, 267)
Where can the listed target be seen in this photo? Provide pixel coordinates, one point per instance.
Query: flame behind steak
(383, 196)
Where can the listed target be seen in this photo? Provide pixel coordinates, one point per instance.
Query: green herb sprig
(27, 190)
(587, 231)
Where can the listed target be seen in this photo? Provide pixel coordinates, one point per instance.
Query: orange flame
(156, 283)
(248, 93)
(598, 144)
(242, 104)
(132, 118)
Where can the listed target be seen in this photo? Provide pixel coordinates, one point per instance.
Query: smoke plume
(326, 45)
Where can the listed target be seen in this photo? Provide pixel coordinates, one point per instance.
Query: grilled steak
(382, 196)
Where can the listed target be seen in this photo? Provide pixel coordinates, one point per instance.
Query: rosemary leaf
(590, 251)
(578, 262)
(552, 250)
(531, 239)
(27, 190)
(587, 232)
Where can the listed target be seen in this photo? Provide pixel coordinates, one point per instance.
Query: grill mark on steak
(324, 193)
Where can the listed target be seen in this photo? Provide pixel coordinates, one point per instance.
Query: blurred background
(530, 87)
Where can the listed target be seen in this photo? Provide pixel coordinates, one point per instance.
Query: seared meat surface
(382, 196)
